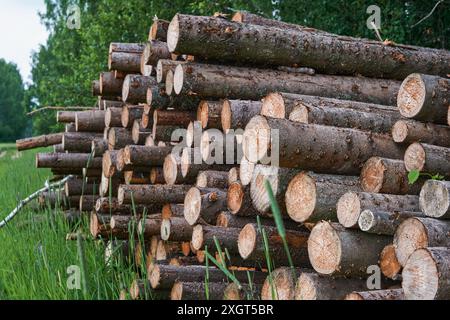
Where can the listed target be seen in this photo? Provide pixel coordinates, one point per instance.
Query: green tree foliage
(12, 111)
(65, 66)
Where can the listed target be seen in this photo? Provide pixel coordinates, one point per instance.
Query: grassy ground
(34, 255)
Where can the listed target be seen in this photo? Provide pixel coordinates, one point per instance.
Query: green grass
(34, 255)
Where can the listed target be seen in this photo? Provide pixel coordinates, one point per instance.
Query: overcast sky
(21, 32)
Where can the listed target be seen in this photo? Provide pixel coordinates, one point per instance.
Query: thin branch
(428, 15)
(59, 108)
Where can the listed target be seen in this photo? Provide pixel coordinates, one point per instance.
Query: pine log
(209, 114)
(261, 45)
(39, 142)
(349, 148)
(206, 235)
(312, 197)
(141, 290)
(239, 201)
(77, 186)
(203, 204)
(382, 175)
(109, 163)
(110, 104)
(217, 81)
(135, 88)
(90, 121)
(119, 138)
(67, 160)
(70, 127)
(434, 199)
(137, 177)
(166, 133)
(212, 179)
(424, 97)
(157, 175)
(382, 222)
(148, 194)
(426, 275)
(245, 292)
(108, 206)
(194, 134)
(58, 148)
(236, 114)
(126, 62)
(427, 158)
(246, 171)
(330, 112)
(96, 88)
(251, 245)
(145, 156)
(87, 202)
(334, 250)
(226, 219)
(130, 114)
(415, 233)
(146, 121)
(351, 204)
(197, 290)
(123, 227)
(79, 141)
(169, 83)
(158, 30)
(173, 210)
(388, 294)
(165, 65)
(280, 284)
(158, 99)
(65, 116)
(109, 85)
(154, 51)
(99, 225)
(176, 229)
(113, 117)
(99, 147)
(172, 171)
(92, 172)
(139, 133)
(173, 117)
(410, 131)
(389, 265)
(125, 47)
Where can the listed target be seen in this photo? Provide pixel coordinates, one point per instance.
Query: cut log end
(400, 131)
(372, 175)
(235, 197)
(246, 171)
(411, 96)
(348, 209)
(169, 81)
(173, 34)
(185, 161)
(154, 275)
(324, 248)
(178, 79)
(305, 288)
(170, 169)
(389, 265)
(225, 116)
(415, 157)
(256, 139)
(282, 283)
(410, 235)
(247, 241)
(366, 220)
(192, 206)
(165, 229)
(197, 237)
(273, 106)
(177, 291)
(435, 199)
(301, 197)
(203, 113)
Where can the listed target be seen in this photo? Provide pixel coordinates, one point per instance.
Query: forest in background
(65, 66)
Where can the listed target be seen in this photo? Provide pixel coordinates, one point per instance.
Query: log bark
(77, 187)
(194, 134)
(415, 233)
(145, 156)
(109, 85)
(146, 121)
(424, 97)
(58, 148)
(389, 265)
(169, 83)
(154, 51)
(157, 176)
(96, 88)
(330, 112)
(312, 197)
(148, 194)
(225, 219)
(158, 30)
(113, 117)
(426, 275)
(109, 163)
(99, 225)
(209, 114)
(79, 141)
(87, 203)
(108, 186)
(130, 114)
(139, 133)
(239, 201)
(126, 62)
(70, 127)
(119, 138)
(90, 121)
(173, 210)
(204, 204)
(215, 81)
(334, 250)
(382, 222)
(212, 179)
(176, 229)
(434, 199)
(65, 116)
(135, 88)
(126, 47)
(158, 99)
(172, 171)
(388, 294)
(349, 148)
(105, 104)
(39, 142)
(382, 175)
(280, 284)
(99, 147)
(204, 236)
(67, 160)
(108, 206)
(261, 45)
(246, 171)
(137, 177)
(251, 245)
(351, 204)
(164, 66)
(236, 114)
(197, 290)
(410, 131)
(173, 118)
(164, 133)
(427, 158)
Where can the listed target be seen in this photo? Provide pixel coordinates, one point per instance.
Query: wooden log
(109, 85)
(95, 88)
(58, 148)
(164, 66)
(311, 197)
(113, 117)
(256, 45)
(108, 186)
(157, 175)
(389, 265)
(135, 88)
(172, 210)
(237, 113)
(172, 171)
(426, 275)
(215, 81)
(99, 147)
(204, 236)
(130, 114)
(169, 83)
(173, 117)
(330, 112)
(313, 286)
(204, 204)
(126, 62)
(351, 204)
(154, 51)
(110, 104)
(70, 127)
(239, 201)
(176, 229)
(106, 205)
(334, 250)
(382, 222)
(39, 142)
(410, 131)
(427, 158)
(141, 290)
(65, 116)
(158, 30)
(148, 194)
(280, 285)
(212, 179)
(119, 138)
(349, 148)
(157, 98)
(226, 219)
(208, 113)
(251, 245)
(197, 290)
(165, 133)
(139, 133)
(424, 97)
(90, 121)
(92, 172)
(146, 121)
(109, 163)
(434, 199)
(123, 167)
(137, 177)
(246, 171)
(126, 47)
(415, 233)
(77, 186)
(99, 225)
(79, 141)
(67, 160)
(382, 175)
(124, 227)
(387, 294)
(87, 203)
(194, 134)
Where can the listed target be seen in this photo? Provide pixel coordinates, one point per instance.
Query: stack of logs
(328, 122)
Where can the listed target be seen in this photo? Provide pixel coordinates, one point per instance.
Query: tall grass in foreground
(34, 255)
